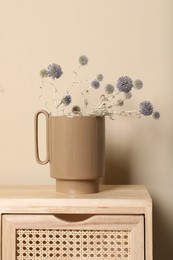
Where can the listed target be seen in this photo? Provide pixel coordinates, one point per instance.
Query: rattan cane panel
(72, 244)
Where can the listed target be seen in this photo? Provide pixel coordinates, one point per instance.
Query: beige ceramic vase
(75, 150)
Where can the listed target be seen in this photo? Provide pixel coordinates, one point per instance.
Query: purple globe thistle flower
(95, 84)
(146, 108)
(138, 84)
(54, 71)
(43, 73)
(76, 110)
(99, 77)
(156, 115)
(83, 60)
(124, 84)
(67, 100)
(109, 88)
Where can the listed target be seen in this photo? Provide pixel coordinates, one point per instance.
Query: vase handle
(45, 113)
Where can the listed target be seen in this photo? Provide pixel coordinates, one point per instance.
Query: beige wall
(120, 37)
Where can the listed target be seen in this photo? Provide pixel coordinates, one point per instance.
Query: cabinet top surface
(108, 192)
(45, 198)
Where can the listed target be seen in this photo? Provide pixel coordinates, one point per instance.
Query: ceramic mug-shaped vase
(75, 151)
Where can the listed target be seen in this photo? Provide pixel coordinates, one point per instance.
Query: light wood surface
(112, 199)
(133, 224)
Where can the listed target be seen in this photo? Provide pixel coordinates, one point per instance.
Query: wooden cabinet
(38, 223)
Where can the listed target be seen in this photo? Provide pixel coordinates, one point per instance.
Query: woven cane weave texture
(47, 244)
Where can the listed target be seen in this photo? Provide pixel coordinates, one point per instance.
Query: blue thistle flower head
(54, 71)
(124, 84)
(83, 60)
(95, 84)
(67, 100)
(146, 108)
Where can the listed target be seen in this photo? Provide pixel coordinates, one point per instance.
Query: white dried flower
(156, 115)
(43, 73)
(109, 88)
(138, 84)
(99, 77)
(95, 84)
(86, 102)
(128, 95)
(76, 110)
(83, 60)
(120, 102)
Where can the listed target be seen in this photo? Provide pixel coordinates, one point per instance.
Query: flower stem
(55, 97)
(41, 97)
(133, 113)
(105, 99)
(74, 79)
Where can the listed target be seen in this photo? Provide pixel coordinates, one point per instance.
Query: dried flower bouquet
(109, 104)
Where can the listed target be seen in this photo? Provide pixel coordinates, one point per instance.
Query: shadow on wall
(118, 171)
(117, 166)
(163, 236)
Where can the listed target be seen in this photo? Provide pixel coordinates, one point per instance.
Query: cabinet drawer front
(48, 237)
